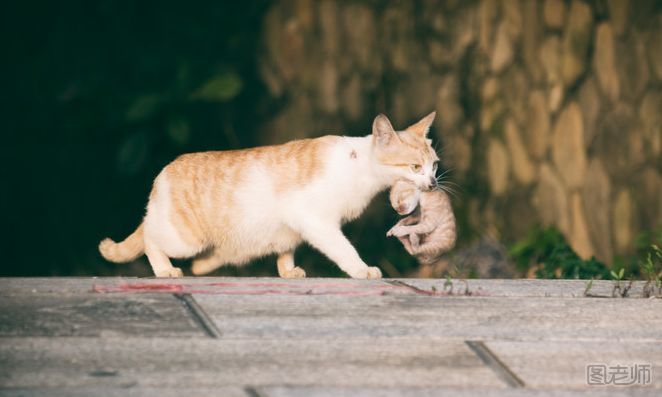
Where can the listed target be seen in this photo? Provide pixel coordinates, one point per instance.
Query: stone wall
(548, 111)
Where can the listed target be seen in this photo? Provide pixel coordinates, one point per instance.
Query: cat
(428, 232)
(228, 207)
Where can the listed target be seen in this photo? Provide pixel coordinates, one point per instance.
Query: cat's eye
(417, 168)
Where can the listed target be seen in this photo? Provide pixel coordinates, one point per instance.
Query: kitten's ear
(383, 131)
(423, 126)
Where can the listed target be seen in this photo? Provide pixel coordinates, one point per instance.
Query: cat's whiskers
(447, 189)
(445, 173)
(445, 184)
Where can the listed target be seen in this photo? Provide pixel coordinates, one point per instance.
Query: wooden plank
(128, 391)
(253, 285)
(563, 364)
(321, 391)
(206, 362)
(524, 288)
(95, 315)
(424, 317)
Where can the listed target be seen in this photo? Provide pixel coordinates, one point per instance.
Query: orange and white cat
(228, 207)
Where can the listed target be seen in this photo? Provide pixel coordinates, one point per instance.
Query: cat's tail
(125, 251)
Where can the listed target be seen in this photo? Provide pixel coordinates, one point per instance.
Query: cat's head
(406, 154)
(404, 197)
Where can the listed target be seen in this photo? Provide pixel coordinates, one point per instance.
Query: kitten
(233, 206)
(428, 232)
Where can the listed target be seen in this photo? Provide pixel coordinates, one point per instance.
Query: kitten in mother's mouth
(429, 230)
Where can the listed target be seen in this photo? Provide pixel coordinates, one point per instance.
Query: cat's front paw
(368, 272)
(374, 272)
(172, 272)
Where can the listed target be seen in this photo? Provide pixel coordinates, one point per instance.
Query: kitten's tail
(125, 251)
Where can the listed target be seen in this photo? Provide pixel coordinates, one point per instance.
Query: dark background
(98, 97)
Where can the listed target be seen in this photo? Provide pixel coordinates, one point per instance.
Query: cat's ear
(383, 131)
(423, 126)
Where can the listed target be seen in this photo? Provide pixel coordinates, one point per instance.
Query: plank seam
(413, 288)
(199, 315)
(490, 359)
(252, 392)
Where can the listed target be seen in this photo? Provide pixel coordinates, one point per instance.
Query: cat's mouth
(402, 210)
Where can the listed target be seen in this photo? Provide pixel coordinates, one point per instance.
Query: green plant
(547, 252)
(448, 284)
(646, 264)
(652, 269)
(619, 286)
(587, 289)
(618, 277)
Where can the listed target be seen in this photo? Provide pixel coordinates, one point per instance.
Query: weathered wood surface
(319, 337)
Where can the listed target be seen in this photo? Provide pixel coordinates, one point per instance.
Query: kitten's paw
(172, 272)
(297, 272)
(398, 231)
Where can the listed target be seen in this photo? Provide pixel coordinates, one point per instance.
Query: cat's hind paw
(297, 272)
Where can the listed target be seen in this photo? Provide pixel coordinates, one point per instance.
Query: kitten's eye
(416, 168)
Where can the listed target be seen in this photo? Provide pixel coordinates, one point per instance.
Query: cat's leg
(286, 268)
(329, 239)
(160, 262)
(209, 262)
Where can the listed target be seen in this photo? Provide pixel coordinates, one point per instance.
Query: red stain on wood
(267, 288)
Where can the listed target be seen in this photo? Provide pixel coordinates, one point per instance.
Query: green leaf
(143, 108)
(621, 273)
(179, 131)
(222, 88)
(132, 154)
(614, 275)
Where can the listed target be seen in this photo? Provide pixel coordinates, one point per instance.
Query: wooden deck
(322, 337)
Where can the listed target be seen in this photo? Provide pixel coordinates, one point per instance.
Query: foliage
(547, 252)
(649, 261)
(222, 87)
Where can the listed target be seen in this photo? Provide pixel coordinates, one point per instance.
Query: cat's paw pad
(297, 272)
(172, 272)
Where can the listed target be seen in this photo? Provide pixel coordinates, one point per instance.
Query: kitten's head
(406, 154)
(404, 197)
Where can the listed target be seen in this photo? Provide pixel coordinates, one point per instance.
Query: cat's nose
(433, 182)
